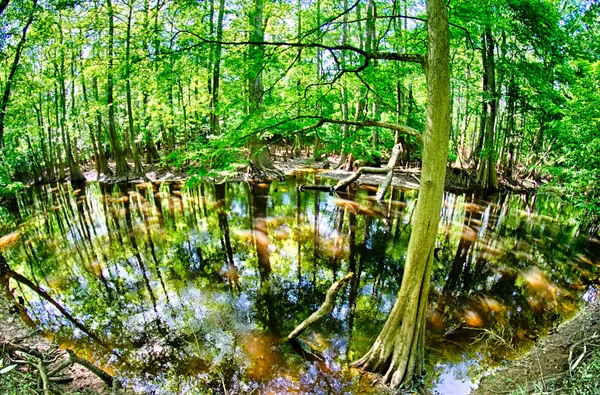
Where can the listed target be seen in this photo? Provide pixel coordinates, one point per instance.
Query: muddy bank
(551, 359)
(15, 334)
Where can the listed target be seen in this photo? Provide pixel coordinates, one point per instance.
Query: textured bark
(397, 354)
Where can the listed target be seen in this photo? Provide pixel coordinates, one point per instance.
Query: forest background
(210, 85)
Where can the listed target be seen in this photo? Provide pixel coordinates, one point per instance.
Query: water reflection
(194, 290)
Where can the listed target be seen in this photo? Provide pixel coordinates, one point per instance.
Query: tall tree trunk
(13, 71)
(137, 163)
(487, 175)
(462, 153)
(260, 159)
(51, 144)
(103, 169)
(346, 128)
(90, 126)
(371, 46)
(74, 170)
(46, 148)
(122, 167)
(61, 163)
(216, 72)
(397, 353)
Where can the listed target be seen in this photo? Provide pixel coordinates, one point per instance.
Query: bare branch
(325, 308)
(367, 55)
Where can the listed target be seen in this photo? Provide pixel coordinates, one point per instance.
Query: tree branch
(368, 55)
(326, 307)
(386, 125)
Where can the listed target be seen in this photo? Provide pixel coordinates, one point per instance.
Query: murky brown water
(193, 290)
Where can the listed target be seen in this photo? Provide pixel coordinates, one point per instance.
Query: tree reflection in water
(194, 289)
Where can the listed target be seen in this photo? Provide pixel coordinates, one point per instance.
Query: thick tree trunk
(261, 165)
(397, 354)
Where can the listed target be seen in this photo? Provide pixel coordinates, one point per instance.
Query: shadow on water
(193, 290)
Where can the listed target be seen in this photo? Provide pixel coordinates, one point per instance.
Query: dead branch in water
(326, 307)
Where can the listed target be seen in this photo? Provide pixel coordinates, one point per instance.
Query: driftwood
(342, 184)
(326, 307)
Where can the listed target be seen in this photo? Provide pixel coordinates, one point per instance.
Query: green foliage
(574, 167)
(546, 58)
(17, 383)
(7, 186)
(586, 378)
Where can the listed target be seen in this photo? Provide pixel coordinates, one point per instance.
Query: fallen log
(388, 170)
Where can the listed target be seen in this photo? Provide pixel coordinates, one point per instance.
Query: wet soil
(14, 330)
(551, 358)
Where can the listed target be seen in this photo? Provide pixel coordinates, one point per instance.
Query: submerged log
(326, 307)
(323, 188)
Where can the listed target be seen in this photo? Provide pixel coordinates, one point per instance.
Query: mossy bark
(397, 353)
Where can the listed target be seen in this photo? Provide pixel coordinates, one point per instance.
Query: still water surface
(191, 290)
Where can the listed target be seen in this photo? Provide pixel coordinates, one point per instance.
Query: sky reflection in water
(193, 290)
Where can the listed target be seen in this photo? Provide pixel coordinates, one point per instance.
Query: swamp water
(192, 290)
